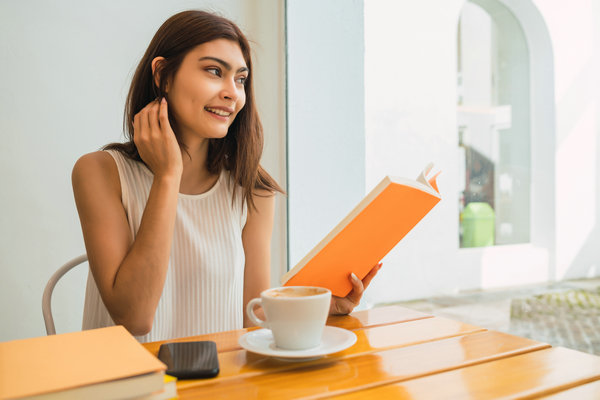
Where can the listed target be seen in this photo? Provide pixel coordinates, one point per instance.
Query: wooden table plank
(589, 391)
(228, 341)
(368, 340)
(529, 375)
(376, 316)
(360, 371)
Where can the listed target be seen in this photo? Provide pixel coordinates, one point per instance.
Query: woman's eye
(242, 80)
(214, 71)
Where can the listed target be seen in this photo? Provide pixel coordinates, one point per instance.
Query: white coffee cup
(295, 314)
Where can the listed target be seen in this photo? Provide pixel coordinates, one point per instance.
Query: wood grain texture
(369, 340)
(525, 376)
(228, 341)
(376, 316)
(336, 375)
(401, 353)
(588, 391)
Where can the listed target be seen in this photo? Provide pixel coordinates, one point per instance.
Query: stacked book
(105, 363)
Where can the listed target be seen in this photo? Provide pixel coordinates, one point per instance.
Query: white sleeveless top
(203, 291)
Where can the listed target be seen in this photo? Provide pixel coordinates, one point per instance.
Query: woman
(177, 221)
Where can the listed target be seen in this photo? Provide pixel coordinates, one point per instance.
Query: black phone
(190, 360)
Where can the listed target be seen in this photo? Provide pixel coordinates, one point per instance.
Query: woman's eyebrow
(225, 64)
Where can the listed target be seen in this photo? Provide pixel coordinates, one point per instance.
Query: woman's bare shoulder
(97, 168)
(96, 159)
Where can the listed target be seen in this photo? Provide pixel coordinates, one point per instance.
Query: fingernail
(354, 277)
(163, 101)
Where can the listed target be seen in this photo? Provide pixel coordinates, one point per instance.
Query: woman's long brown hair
(240, 150)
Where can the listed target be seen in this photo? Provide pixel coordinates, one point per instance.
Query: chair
(47, 296)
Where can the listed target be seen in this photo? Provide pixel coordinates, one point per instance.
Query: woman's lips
(222, 111)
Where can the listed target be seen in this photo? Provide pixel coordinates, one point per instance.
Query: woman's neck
(195, 178)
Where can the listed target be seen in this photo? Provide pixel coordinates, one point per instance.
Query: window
(494, 128)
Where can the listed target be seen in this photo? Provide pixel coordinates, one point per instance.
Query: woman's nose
(230, 90)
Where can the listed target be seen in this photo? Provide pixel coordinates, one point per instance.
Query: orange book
(366, 234)
(99, 363)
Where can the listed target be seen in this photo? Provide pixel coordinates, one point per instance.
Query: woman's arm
(130, 274)
(256, 238)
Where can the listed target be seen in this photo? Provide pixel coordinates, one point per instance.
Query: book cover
(42, 365)
(373, 228)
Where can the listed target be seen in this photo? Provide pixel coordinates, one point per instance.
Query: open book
(381, 219)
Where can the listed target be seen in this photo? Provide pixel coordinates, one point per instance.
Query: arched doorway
(506, 136)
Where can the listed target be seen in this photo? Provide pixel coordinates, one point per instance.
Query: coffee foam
(294, 292)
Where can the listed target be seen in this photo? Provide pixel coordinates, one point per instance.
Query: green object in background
(477, 222)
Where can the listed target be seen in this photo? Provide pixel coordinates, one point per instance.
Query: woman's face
(207, 91)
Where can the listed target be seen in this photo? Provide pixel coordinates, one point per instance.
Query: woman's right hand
(155, 140)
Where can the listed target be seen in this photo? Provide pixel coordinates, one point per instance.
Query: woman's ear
(156, 63)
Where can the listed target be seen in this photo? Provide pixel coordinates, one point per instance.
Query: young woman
(177, 221)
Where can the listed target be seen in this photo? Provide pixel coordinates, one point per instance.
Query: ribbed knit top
(203, 290)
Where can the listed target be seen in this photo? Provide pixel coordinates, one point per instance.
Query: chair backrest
(47, 296)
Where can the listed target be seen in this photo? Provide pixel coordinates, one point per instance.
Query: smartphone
(190, 360)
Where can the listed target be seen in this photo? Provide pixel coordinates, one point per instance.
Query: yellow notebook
(97, 363)
(367, 233)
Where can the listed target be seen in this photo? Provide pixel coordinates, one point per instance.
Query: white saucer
(334, 339)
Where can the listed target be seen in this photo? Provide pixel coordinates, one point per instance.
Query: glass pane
(493, 128)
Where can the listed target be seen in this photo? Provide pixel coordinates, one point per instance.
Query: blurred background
(502, 95)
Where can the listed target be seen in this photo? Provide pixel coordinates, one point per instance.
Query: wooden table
(401, 353)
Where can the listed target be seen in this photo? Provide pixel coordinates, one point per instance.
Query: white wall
(575, 33)
(66, 67)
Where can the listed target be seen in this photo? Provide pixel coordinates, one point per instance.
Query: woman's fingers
(357, 289)
(136, 128)
(141, 123)
(164, 116)
(358, 286)
(153, 118)
(155, 140)
(144, 123)
(345, 305)
(367, 279)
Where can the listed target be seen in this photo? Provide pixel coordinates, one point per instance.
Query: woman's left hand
(345, 305)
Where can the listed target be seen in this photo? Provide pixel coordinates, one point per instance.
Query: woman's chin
(217, 135)
(210, 134)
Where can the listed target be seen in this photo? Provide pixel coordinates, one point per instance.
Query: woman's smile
(220, 113)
